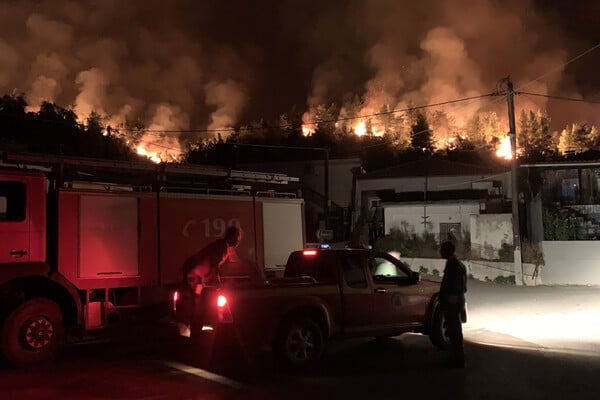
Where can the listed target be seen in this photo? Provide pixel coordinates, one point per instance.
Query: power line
(559, 67)
(548, 96)
(443, 103)
(553, 70)
(333, 120)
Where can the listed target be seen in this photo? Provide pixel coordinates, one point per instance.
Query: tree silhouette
(421, 135)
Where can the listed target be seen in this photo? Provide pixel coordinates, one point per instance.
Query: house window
(12, 201)
(449, 232)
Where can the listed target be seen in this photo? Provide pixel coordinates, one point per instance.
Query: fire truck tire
(300, 343)
(33, 333)
(439, 334)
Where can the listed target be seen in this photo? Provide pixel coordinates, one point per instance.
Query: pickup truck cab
(324, 294)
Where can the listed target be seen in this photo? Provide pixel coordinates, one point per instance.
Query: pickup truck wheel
(33, 333)
(439, 332)
(300, 343)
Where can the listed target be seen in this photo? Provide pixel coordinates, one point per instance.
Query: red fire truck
(84, 242)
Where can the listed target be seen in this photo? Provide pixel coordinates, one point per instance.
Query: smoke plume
(213, 65)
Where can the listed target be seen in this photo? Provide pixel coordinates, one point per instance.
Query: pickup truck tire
(33, 333)
(300, 343)
(439, 334)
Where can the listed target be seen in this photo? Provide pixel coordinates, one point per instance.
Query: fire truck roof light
(309, 252)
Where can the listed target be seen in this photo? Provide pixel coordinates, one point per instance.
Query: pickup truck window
(381, 267)
(12, 201)
(317, 266)
(353, 271)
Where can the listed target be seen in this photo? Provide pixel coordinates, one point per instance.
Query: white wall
(488, 233)
(438, 213)
(481, 270)
(571, 262)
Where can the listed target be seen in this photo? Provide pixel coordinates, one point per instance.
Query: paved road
(510, 368)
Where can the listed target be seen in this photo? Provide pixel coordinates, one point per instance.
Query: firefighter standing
(202, 268)
(452, 302)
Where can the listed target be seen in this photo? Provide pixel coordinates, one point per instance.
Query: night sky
(188, 64)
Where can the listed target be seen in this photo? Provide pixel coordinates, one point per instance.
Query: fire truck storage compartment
(115, 238)
(283, 225)
(108, 236)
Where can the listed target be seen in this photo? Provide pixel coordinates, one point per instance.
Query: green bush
(435, 272)
(506, 253)
(423, 270)
(505, 280)
(409, 244)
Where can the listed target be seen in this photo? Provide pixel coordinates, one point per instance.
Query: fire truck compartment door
(108, 241)
(283, 224)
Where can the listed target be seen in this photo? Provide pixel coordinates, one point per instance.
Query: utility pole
(512, 134)
(326, 189)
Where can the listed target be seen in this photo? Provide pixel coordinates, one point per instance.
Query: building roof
(432, 167)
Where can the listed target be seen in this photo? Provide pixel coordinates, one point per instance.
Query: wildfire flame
(504, 151)
(151, 155)
(361, 128)
(307, 131)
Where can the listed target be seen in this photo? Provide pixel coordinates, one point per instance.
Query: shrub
(423, 270)
(506, 252)
(505, 280)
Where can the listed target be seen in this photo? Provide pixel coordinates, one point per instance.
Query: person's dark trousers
(454, 330)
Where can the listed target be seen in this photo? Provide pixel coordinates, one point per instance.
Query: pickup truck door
(399, 302)
(357, 296)
(14, 220)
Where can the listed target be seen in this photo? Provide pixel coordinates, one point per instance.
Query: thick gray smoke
(185, 64)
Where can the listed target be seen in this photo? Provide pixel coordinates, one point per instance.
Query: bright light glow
(151, 155)
(360, 129)
(207, 328)
(221, 301)
(504, 151)
(306, 131)
(579, 325)
(175, 298)
(309, 252)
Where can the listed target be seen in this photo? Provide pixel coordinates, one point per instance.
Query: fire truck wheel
(300, 342)
(33, 333)
(439, 333)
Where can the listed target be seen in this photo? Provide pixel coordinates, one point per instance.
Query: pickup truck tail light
(223, 310)
(309, 252)
(175, 298)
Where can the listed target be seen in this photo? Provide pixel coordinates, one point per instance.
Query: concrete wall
(488, 233)
(571, 262)
(481, 270)
(395, 215)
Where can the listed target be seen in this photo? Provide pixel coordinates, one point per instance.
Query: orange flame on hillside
(504, 150)
(360, 129)
(153, 156)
